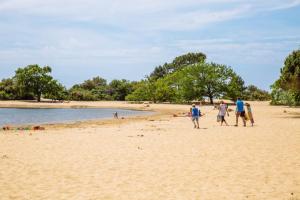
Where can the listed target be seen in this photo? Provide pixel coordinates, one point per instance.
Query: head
(247, 104)
(193, 105)
(221, 102)
(239, 98)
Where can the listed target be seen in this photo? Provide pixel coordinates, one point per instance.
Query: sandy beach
(154, 157)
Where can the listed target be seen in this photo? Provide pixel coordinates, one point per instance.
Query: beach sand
(154, 157)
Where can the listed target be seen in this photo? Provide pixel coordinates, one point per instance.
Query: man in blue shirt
(240, 111)
(195, 113)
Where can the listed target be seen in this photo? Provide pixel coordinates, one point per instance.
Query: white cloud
(166, 13)
(128, 32)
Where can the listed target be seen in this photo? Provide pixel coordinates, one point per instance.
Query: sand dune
(158, 157)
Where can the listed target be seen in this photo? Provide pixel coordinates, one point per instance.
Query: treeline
(188, 77)
(286, 90)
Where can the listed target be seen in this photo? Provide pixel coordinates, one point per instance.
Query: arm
(227, 112)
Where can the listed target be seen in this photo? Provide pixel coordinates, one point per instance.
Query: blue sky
(118, 39)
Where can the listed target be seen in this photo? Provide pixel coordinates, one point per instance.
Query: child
(195, 113)
(249, 113)
(222, 112)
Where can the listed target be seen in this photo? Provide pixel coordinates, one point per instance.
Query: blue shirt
(240, 106)
(195, 112)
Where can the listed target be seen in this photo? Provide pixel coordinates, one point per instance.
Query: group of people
(223, 111)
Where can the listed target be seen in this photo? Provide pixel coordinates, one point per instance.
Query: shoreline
(157, 112)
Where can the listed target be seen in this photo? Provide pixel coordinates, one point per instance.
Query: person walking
(249, 113)
(195, 113)
(222, 112)
(240, 111)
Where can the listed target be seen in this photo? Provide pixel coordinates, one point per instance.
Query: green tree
(90, 90)
(33, 79)
(290, 73)
(7, 89)
(235, 87)
(253, 93)
(56, 91)
(186, 60)
(183, 85)
(141, 92)
(177, 64)
(211, 79)
(119, 89)
(79, 94)
(94, 83)
(286, 90)
(164, 91)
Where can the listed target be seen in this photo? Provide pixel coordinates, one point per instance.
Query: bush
(282, 97)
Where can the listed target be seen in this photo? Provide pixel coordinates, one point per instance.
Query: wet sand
(154, 157)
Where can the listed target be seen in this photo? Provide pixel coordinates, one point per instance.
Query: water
(16, 116)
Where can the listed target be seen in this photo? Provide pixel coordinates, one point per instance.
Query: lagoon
(30, 116)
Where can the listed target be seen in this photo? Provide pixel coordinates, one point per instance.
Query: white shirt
(222, 109)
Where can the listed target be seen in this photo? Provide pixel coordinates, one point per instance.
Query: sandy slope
(159, 157)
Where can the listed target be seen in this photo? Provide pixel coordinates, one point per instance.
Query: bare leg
(197, 123)
(237, 119)
(244, 121)
(194, 123)
(225, 122)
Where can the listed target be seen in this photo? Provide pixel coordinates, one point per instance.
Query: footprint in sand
(4, 157)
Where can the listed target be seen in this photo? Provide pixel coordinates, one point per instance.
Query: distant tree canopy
(8, 89)
(33, 80)
(98, 89)
(192, 82)
(188, 77)
(286, 90)
(290, 73)
(177, 64)
(253, 93)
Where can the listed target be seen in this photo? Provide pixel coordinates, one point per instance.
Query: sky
(117, 39)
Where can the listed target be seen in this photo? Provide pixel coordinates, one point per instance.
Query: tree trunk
(39, 97)
(211, 99)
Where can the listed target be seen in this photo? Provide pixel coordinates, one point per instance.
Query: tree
(7, 89)
(235, 87)
(33, 79)
(210, 78)
(160, 72)
(253, 93)
(79, 94)
(191, 82)
(186, 60)
(164, 91)
(286, 90)
(119, 89)
(91, 89)
(141, 92)
(290, 73)
(94, 83)
(183, 85)
(177, 64)
(56, 91)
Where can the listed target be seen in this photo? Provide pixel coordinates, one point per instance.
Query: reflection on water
(15, 116)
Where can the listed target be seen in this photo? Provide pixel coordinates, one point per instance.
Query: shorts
(242, 114)
(222, 118)
(195, 118)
